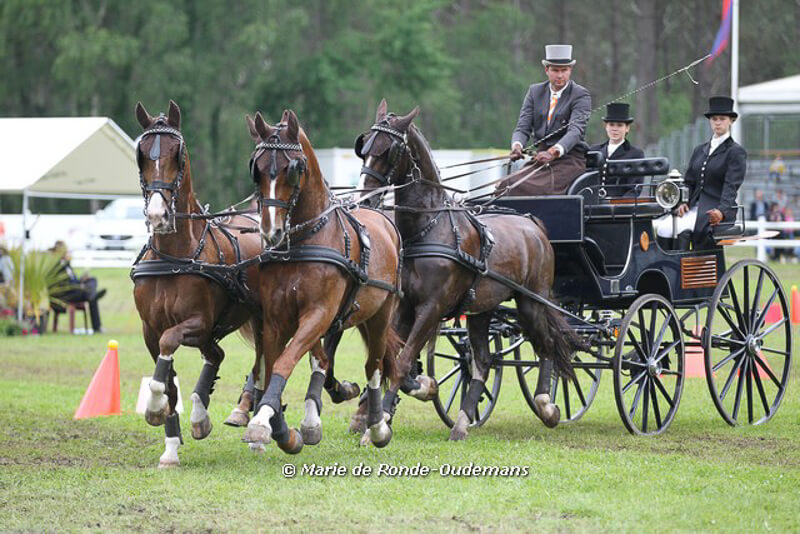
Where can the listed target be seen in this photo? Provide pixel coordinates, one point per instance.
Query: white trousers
(663, 225)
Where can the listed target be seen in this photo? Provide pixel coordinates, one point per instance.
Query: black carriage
(639, 304)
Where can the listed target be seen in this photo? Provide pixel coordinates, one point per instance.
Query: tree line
(466, 63)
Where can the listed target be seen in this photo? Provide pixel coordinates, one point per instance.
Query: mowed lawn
(57, 474)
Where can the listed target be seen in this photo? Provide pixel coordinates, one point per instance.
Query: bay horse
(187, 288)
(326, 266)
(448, 252)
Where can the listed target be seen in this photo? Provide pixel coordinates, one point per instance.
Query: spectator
(777, 168)
(759, 207)
(780, 200)
(789, 233)
(776, 215)
(74, 289)
(6, 267)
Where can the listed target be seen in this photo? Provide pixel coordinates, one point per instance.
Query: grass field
(57, 474)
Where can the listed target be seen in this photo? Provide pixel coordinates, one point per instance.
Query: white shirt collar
(557, 93)
(716, 141)
(612, 147)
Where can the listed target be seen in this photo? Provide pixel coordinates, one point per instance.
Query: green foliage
(466, 63)
(43, 282)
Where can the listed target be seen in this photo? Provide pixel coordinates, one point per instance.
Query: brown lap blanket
(552, 180)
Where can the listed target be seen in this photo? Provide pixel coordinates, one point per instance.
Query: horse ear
(292, 126)
(174, 115)
(143, 116)
(402, 123)
(251, 126)
(262, 127)
(381, 113)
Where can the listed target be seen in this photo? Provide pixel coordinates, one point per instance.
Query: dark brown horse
(436, 285)
(193, 308)
(324, 264)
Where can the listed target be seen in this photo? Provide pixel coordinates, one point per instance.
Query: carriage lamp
(668, 194)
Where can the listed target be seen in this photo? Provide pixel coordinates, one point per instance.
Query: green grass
(99, 474)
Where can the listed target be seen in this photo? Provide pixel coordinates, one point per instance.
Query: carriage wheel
(572, 396)
(649, 366)
(449, 359)
(749, 350)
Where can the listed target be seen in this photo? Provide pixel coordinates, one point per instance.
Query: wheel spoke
(774, 351)
(727, 339)
(772, 328)
(528, 370)
(767, 370)
(670, 372)
(667, 350)
(636, 397)
(760, 388)
(554, 390)
(643, 333)
(565, 382)
(737, 309)
(663, 391)
(729, 381)
(487, 392)
(450, 373)
(762, 316)
(448, 357)
(579, 391)
(637, 346)
(656, 410)
(633, 381)
(739, 383)
(746, 301)
(646, 407)
(453, 392)
(754, 310)
(651, 331)
(590, 373)
(661, 333)
(749, 391)
(726, 359)
(724, 313)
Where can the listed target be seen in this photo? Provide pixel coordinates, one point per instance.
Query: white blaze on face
(272, 210)
(156, 207)
(362, 179)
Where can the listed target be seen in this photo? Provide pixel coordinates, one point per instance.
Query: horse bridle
(396, 149)
(294, 171)
(159, 186)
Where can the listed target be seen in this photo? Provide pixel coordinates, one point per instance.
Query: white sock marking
(375, 381)
(170, 456)
(199, 412)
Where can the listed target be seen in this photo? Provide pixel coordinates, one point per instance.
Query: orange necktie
(553, 102)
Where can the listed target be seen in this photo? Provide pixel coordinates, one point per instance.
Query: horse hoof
(428, 389)
(311, 434)
(294, 444)
(168, 464)
(358, 423)
(257, 448)
(202, 429)
(350, 390)
(238, 418)
(459, 431)
(255, 433)
(548, 412)
(380, 434)
(156, 418)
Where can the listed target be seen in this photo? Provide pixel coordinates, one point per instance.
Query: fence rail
(762, 245)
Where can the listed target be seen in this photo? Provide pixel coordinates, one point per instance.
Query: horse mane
(423, 152)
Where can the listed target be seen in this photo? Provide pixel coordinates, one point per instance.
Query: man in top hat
(617, 124)
(715, 173)
(553, 118)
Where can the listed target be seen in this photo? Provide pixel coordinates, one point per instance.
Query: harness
(289, 251)
(231, 277)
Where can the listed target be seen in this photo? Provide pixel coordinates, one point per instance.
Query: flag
(724, 32)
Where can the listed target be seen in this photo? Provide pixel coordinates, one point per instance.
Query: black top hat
(618, 112)
(720, 105)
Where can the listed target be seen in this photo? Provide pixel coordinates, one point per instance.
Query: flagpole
(737, 126)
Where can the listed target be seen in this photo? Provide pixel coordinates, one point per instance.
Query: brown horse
(325, 265)
(436, 283)
(178, 303)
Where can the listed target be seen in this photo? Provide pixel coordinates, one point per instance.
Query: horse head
(162, 160)
(384, 150)
(279, 168)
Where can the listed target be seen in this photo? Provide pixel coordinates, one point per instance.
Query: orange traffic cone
(102, 397)
(795, 305)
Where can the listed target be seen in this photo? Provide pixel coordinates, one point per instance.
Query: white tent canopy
(779, 96)
(75, 156)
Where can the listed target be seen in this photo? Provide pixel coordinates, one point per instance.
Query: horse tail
(555, 338)
(247, 333)
(394, 344)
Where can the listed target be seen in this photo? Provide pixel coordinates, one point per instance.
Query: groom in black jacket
(617, 124)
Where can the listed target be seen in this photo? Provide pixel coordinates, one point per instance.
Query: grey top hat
(558, 54)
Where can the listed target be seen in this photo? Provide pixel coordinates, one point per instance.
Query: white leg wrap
(262, 417)
(158, 400)
(312, 415)
(199, 412)
(170, 456)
